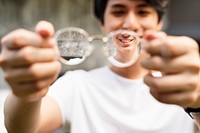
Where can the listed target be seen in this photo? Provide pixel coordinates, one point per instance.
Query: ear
(102, 26)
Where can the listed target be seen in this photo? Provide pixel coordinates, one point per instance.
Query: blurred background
(182, 18)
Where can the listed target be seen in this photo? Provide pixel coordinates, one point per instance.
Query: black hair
(159, 5)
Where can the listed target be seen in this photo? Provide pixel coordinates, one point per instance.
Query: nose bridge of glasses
(97, 37)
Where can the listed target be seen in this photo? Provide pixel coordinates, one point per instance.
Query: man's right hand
(29, 61)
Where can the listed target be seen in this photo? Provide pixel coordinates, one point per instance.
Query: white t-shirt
(100, 101)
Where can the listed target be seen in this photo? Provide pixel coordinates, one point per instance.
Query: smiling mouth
(126, 40)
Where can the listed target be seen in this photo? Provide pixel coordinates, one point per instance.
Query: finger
(28, 56)
(174, 65)
(172, 83)
(20, 38)
(180, 45)
(30, 91)
(183, 99)
(154, 40)
(45, 29)
(25, 88)
(152, 35)
(33, 73)
(171, 46)
(159, 64)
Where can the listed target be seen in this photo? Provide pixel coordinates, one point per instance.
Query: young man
(107, 99)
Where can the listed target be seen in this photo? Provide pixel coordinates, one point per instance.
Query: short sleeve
(63, 91)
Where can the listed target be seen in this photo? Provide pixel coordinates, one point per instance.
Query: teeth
(126, 40)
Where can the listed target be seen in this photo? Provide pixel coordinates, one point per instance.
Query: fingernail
(156, 74)
(45, 29)
(44, 33)
(151, 37)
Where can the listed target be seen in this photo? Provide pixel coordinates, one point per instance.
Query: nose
(131, 22)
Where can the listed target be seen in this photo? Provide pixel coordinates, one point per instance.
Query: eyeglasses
(121, 47)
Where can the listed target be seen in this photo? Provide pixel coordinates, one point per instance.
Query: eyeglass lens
(121, 47)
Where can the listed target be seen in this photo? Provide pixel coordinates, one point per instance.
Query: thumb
(45, 29)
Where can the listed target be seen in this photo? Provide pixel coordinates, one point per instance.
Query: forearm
(21, 116)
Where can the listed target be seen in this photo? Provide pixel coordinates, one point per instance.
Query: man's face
(135, 15)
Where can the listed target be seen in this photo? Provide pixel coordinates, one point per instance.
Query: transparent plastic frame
(121, 47)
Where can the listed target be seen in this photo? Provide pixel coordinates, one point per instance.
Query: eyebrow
(118, 6)
(142, 5)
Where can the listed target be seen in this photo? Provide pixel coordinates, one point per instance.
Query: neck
(135, 71)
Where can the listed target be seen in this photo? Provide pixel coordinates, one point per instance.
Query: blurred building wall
(184, 18)
(26, 13)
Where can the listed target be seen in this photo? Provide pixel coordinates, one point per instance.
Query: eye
(144, 12)
(118, 13)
